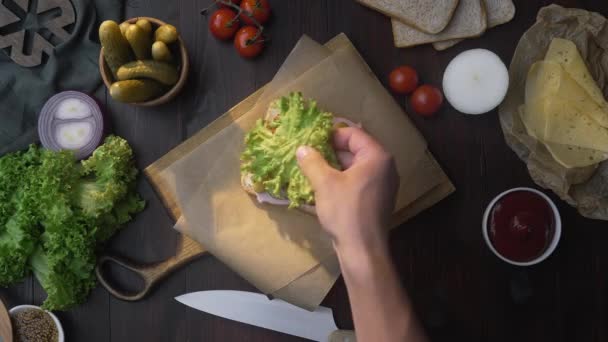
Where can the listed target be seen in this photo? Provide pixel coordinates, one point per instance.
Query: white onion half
(73, 121)
(476, 81)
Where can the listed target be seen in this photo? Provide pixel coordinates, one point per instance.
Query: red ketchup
(521, 226)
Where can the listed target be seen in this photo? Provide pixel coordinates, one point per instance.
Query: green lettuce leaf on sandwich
(270, 148)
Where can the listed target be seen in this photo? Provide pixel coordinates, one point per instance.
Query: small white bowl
(556, 234)
(18, 308)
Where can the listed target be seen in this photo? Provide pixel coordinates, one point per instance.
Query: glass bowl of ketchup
(522, 226)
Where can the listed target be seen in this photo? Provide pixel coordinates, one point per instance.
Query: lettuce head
(55, 213)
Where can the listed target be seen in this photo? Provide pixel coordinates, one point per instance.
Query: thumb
(313, 166)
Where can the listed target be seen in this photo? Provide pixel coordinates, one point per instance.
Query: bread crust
(429, 28)
(462, 25)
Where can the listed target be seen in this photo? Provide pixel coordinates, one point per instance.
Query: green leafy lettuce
(56, 212)
(270, 148)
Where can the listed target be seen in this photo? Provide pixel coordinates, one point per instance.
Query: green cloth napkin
(71, 63)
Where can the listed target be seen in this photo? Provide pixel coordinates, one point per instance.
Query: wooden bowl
(184, 67)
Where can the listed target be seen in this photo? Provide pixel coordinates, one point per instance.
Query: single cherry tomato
(260, 9)
(224, 23)
(426, 100)
(234, 2)
(403, 80)
(248, 42)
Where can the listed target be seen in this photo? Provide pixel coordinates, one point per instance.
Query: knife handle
(343, 336)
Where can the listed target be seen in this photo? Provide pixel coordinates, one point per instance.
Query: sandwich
(269, 169)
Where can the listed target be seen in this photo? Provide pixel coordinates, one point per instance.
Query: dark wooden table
(461, 291)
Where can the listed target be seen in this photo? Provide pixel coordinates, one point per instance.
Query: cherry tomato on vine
(223, 23)
(248, 42)
(234, 2)
(259, 9)
(426, 100)
(403, 80)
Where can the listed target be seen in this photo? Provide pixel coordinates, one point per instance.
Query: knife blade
(256, 309)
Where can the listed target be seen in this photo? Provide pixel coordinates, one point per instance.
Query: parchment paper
(584, 188)
(285, 253)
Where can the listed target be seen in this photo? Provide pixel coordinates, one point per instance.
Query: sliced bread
(430, 16)
(469, 20)
(498, 12)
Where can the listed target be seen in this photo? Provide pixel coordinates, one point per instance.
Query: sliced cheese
(565, 53)
(573, 156)
(548, 83)
(542, 83)
(565, 109)
(567, 125)
(571, 91)
(567, 155)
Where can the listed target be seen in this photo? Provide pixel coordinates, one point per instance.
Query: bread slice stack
(443, 23)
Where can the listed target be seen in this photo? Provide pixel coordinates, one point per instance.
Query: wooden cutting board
(188, 249)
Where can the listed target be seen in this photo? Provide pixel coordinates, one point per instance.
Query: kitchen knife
(256, 309)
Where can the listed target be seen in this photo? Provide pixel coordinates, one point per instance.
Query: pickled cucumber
(140, 40)
(162, 72)
(123, 28)
(116, 49)
(145, 25)
(166, 34)
(161, 52)
(133, 91)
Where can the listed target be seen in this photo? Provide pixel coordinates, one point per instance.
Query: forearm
(381, 309)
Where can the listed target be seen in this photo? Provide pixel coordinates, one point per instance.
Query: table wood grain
(461, 291)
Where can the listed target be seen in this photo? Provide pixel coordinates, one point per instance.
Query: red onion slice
(72, 108)
(265, 197)
(349, 123)
(73, 135)
(73, 121)
(309, 208)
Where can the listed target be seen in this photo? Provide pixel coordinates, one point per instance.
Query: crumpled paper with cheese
(584, 188)
(285, 253)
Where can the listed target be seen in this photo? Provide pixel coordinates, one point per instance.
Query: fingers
(345, 158)
(314, 166)
(355, 140)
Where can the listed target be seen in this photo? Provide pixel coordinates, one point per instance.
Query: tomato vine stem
(239, 11)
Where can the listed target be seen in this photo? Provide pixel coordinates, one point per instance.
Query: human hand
(353, 205)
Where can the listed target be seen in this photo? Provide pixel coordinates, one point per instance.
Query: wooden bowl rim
(169, 95)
